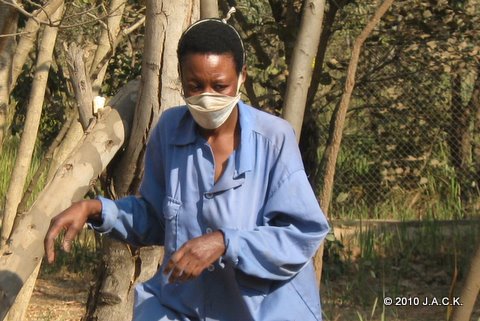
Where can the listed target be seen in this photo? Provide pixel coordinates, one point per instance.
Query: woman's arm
(294, 228)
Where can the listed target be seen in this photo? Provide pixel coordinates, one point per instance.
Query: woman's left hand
(195, 256)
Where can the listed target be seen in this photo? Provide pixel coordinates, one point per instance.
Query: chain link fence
(411, 143)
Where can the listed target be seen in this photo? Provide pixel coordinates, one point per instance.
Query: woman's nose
(208, 89)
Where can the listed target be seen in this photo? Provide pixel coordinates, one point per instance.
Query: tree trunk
(24, 249)
(160, 89)
(19, 309)
(300, 69)
(475, 106)
(338, 122)
(470, 290)
(72, 137)
(29, 135)
(160, 53)
(208, 9)
(106, 44)
(459, 139)
(310, 131)
(8, 25)
(28, 38)
(81, 85)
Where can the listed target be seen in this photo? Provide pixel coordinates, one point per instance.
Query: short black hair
(212, 36)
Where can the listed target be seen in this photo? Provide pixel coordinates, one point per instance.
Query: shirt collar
(186, 133)
(246, 151)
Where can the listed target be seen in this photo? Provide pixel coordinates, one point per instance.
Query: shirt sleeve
(129, 219)
(138, 220)
(293, 230)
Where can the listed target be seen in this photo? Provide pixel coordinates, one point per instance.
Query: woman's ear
(244, 72)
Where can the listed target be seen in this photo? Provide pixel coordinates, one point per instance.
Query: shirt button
(208, 230)
(211, 268)
(209, 195)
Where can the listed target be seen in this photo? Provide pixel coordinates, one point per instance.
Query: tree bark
(300, 69)
(19, 310)
(72, 137)
(338, 122)
(28, 38)
(208, 9)
(459, 139)
(310, 131)
(8, 25)
(157, 68)
(470, 290)
(81, 85)
(27, 142)
(160, 89)
(475, 106)
(24, 249)
(47, 159)
(106, 43)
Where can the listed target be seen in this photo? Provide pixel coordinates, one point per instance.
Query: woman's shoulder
(168, 122)
(271, 127)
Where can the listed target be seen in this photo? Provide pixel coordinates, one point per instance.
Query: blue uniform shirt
(263, 203)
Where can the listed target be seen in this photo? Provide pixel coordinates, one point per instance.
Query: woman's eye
(220, 87)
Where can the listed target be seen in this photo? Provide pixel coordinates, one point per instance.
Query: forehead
(199, 63)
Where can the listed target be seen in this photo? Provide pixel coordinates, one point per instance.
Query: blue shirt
(263, 203)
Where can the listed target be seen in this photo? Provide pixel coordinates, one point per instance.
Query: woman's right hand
(72, 221)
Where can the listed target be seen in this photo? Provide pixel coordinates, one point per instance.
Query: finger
(178, 271)
(49, 242)
(173, 261)
(185, 267)
(70, 235)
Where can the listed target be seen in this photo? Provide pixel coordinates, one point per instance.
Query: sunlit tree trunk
(300, 69)
(112, 296)
(208, 9)
(470, 291)
(8, 26)
(107, 43)
(24, 249)
(29, 36)
(310, 136)
(29, 135)
(459, 138)
(337, 123)
(475, 105)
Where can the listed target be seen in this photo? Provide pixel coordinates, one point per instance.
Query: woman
(225, 192)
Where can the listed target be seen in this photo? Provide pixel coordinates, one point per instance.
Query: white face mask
(211, 110)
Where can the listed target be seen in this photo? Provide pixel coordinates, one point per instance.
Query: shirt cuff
(231, 237)
(109, 216)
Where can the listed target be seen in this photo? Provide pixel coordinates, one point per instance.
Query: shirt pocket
(171, 206)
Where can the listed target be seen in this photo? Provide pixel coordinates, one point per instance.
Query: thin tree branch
(15, 5)
(135, 26)
(81, 85)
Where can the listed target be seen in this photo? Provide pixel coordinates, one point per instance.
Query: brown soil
(58, 298)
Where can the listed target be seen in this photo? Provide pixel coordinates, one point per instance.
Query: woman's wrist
(93, 210)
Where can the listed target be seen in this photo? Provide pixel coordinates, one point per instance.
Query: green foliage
(82, 259)
(7, 161)
(415, 260)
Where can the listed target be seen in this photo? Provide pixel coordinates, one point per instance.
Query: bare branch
(135, 26)
(15, 5)
(81, 85)
(14, 34)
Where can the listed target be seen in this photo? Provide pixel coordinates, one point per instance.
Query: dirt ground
(63, 297)
(58, 298)
(352, 290)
